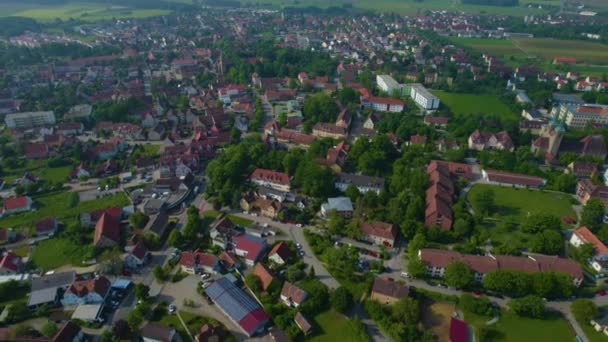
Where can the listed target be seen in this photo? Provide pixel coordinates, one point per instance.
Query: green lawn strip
(240, 221)
(592, 334)
(55, 252)
(55, 174)
(512, 328)
(194, 323)
(56, 204)
(465, 104)
(516, 204)
(331, 326)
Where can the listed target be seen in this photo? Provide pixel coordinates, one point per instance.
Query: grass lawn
(512, 328)
(465, 104)
(516, 204)
(194, 323)
(55, 174)
(87, 12)
(240, 221)
(55, 204)
(56, 252)
(332, 326)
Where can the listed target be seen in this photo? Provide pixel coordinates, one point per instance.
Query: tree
(341, 299)
(107, 336)
(134, 319)
(529, 306)
(484, 201)
(121, 329)
(458, 275)
(159, 273)
(584, 310)
(593, 214)
(478, 305)
(253, 282)
(73, 199)
(175, 239)
(141, 291)
(547, 242)
(138, 220)
(539, 222)
(416, 268)
(406, 310)
(311, 272)
(49, 329)
(416, 244)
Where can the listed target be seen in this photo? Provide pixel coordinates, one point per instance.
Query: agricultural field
(86, 12)
(464, 104)
(515, 205)
(402, 6)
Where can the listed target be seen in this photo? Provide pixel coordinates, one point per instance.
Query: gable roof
(67, 332)
(264, 275)
(99, 285)
(390, 288)
(281, 249)
(157, 332)
(10, 261)
(585, 235)
(16, 203)
(270, 176)
(251, 244)
(379, 229)
(293, 293)
(107, 227)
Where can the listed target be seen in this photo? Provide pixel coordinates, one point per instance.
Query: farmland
(463, 104)
(79, 11)
(404, 6)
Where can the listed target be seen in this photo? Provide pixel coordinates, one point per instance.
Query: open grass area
(86, 12)
(331, 326)
(240, 221)
(403, 6)
(193, 322)
(436, 317)
(512, 328)
(54, 174)
(464, 104)
(52, 253)
(56, 204)
(516, 204)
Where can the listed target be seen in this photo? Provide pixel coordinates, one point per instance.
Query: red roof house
(107, 232)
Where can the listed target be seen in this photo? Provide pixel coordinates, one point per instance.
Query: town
(214, 172)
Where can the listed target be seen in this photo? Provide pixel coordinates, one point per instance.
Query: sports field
(464, 104)
(80, 11)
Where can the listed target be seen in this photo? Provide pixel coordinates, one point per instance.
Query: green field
(56, 204)
(512, 328)
(464, 104)
(332, 326)
(81, 11)
(592, 58)
(516, 204)
(56, 252)
(402, 6)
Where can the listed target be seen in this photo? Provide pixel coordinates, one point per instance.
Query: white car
(298, 246)
(172, 308)
(205, 276)
(299, 225)
(405, 274)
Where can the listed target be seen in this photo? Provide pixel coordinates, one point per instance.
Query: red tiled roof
(389, 288)
(15, 203)
(10, 261)
(585, 235)
(107, 227)
(514, 178)
(139, 250)
(459, 331)
(386, 100)
(270, 176)
(281, 249)
(293, 293)
(264, 275)
(99, 285)
(380, 229)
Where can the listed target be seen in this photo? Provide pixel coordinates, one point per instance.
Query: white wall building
(423, 97)
(29, 119)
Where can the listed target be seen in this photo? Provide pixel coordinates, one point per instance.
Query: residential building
(138, 256)
(273, 179)
(280, 253)
(379, 233)
(512, 179)
(362, 182)
(383, 104)
(436, 261)
(46, 227)
(199, 261)
(249, 247)
(69, 332)
(292, 295)
(107, 232)
(388, 84)
(238, 306)
(49, 289)
(154, 332)
(229, 261)
(581, 116)
(342, 205)
(344, 119)
(29, 119)
(329, 130)
(16, 205)
(423, 97)
(439, 197)
(263, 274)
(10, 264)
(581, 169)
(490, 141)
(586, 190)
(436, 121)
(599, 260)
(211, 333)
(387, 291)
(88, 291)
(302, 323)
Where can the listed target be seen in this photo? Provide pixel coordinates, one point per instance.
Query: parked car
(601, 293)
(172, 308)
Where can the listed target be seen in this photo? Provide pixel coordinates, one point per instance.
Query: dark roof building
(237, 305)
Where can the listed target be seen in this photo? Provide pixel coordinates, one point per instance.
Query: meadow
(75, 10)
(464, 104)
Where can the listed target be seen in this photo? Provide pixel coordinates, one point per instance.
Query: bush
(529, 306)
(584, 310)
(341, 299)
(476, 305)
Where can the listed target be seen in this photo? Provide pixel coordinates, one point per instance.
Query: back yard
(332, 326)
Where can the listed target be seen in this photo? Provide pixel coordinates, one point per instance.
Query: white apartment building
(580, 116)
(29, 119)
(423, 97)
